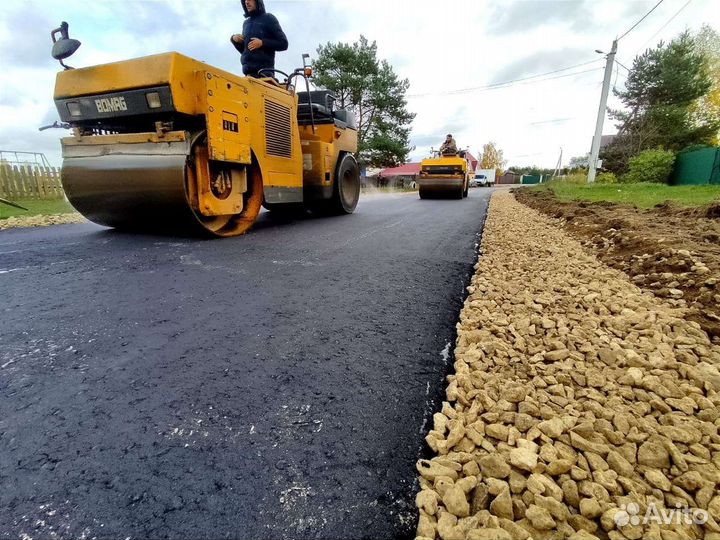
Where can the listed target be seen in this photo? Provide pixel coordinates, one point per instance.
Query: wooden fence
(29, 182)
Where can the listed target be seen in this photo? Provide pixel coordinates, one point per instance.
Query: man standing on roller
(261, 37)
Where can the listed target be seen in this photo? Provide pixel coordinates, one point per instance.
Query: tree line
(670, 103)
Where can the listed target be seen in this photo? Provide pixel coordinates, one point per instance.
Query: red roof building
(472, 159)
(412, 169)
(408, 169)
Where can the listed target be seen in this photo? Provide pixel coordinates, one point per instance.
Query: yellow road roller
(169, 143)
(444, 176)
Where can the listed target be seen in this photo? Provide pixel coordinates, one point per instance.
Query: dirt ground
(672, 251)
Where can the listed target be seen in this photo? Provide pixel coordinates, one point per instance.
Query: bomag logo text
(106, 105)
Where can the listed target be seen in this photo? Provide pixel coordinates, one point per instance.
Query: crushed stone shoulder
(577, 405)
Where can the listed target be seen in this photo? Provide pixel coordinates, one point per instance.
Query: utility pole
(595, 150)
(558, 166)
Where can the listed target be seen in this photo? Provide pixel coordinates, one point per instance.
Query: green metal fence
(530, 179)
(698, 167)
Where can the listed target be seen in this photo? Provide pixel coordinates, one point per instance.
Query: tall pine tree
(373, 91)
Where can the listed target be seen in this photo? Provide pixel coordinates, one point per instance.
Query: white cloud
(438, 46)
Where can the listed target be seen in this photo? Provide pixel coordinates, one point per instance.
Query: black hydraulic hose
(296, 73)
(312, 115)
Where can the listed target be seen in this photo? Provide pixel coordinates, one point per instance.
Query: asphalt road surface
(276, 385)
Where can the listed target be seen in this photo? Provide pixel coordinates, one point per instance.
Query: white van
(483, 178)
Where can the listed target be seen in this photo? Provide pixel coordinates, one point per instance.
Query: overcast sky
(449, 50)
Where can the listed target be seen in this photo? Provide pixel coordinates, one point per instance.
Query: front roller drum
(152, 187)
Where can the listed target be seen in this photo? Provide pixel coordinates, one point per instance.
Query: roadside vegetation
(492, 158)
(670, 103)
(36, 207)
(641, 195)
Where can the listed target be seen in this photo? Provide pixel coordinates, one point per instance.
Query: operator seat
(322, 106)
(323, 103)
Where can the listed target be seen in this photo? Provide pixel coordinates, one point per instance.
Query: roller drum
(129, 191)
(139, 186)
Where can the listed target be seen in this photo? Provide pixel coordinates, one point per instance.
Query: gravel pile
(579, 407)
(41, 221)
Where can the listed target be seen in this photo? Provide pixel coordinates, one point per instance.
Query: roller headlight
(74, 108)
(153, 100)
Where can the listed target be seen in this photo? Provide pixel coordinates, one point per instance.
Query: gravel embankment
(41, 221)
(578, 403)
(669, 250)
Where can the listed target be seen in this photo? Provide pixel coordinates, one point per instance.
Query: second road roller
(169, 143)
(444, 175)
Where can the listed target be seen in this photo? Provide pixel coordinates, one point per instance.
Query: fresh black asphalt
(276, 385)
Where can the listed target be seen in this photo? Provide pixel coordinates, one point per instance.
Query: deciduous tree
(707, 43)
(579, 162)
(492, 158)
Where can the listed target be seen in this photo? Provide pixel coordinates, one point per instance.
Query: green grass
(640, 195)
(35, 207)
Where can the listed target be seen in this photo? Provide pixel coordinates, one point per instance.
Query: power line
(549, 72)
(641, 20)
(499, 84)
(507, 84)
(621, 65)
(663, 26)
(553, 120)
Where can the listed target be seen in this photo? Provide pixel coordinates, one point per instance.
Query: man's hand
(238, 38)
(255, 43)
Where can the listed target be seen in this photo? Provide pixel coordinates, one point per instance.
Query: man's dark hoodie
(266, 27)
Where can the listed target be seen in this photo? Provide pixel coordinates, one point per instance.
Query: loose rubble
(672, 251)
(578, 406)
(41, 221)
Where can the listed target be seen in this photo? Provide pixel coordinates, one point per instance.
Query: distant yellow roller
(444, 175)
